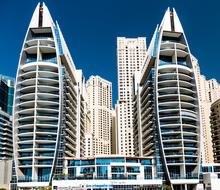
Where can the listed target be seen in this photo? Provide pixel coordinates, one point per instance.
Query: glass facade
(110, 168)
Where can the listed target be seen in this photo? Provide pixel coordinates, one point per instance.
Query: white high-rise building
(131, 53)
(48, 114)
(208, 92)
(166, 115)
(100, 105)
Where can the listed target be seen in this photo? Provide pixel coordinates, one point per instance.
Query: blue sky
(90, 28)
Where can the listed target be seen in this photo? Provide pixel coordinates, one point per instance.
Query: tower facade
(6, 104)
(166, 109)
(100, 104)
(215, 122)
(209, 92)
(131, 53)
(47, 123)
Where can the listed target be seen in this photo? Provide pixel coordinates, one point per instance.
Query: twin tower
(48, 116)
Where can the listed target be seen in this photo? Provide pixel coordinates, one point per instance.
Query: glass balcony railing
(25, 138)
(49, 92)
(172, 145)
(26, 122)
(182, 63)
(173, 153)
(26, 115)
(170, 131)
(52, 60)
(188, 176)
(42, 38)
(169, 41)
(48, 99)
(43, 163)
(24, 154)
(171, 138)
(47, 70)
(25, 131)
(161, 63)
(47, 122)
(25, 146)
(45, 154)
(29, 179)
(174, 161)
(189, 160)
(26, 100)
(170, 123)
(191, 153)
(45, 146)
(168, 107)
(25, 163)
(48, 107)
(46, 138)
(46, 130)
(29, 60)
(190, 145)
(189, 130)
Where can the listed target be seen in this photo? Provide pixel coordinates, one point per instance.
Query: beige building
(114, 133)
(215, 129)
(88, 128)
(5, 174)
(131, 53)
(209, 92)
(100, 104)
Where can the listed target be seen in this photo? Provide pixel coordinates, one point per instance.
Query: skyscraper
(6, 104)
(131, 53)
(166, 112)
(100, 104)
(208, 92)
(215, 129)
(6, 93)
(48, 122)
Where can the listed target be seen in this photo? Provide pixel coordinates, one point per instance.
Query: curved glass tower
(168, 106)
(46, 104)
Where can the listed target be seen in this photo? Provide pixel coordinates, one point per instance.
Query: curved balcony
(48, 101)
(186, 84)
(31, 50)
(47, 48)
(167, 51)
(46, 108)
(27, 75)
(181, 52)
(27, 82)
(31, 42)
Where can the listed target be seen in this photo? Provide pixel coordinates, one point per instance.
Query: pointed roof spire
(171, 21)
(41, 17)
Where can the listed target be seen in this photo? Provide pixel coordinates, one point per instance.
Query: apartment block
(48, 114)
(131, 53)
(100, 104)
(166, 106)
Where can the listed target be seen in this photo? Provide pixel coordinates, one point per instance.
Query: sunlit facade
(166, 110)
(109, 172)
(131, 53)
(48, 115)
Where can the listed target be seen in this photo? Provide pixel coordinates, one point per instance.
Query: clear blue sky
(90, 28)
